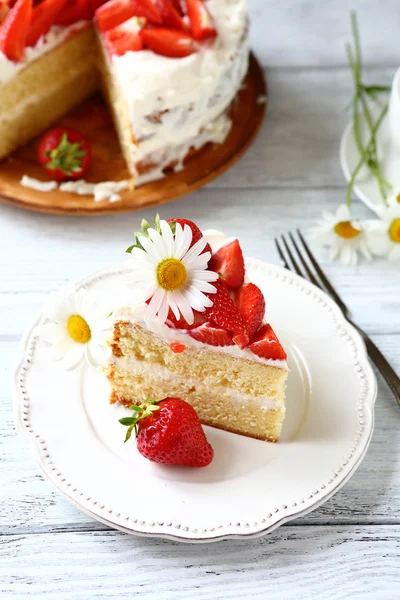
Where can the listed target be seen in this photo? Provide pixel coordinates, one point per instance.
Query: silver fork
(318, 278)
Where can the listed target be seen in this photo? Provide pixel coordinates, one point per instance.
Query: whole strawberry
(169, 432)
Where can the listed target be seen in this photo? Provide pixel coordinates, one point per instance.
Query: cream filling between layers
(168, 335)
(55, 36)
(132, 365)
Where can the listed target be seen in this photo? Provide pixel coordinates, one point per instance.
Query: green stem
(364, 155)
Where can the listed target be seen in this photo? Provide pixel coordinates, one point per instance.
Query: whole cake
(196, 329)
(169, 70)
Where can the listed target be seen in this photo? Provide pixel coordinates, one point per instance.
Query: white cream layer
(104, 190)
(55, 36)
(216, 240)
(173, 103)
(168, 335)
(132, 365)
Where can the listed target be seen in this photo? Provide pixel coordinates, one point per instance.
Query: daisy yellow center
(171, 274)
(398, 198)
(394, 231)
(346, 230)
(78, 329)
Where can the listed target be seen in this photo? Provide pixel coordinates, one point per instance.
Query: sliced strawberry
(229, 263)
(115, 12)
(224, 313)
(266, 345)
(196, 232)
(4, 10)
(170, 15)
(95, 4)
(43, 17)
(175, 323)
(14, 29)
(74, 11)
(124, 37)
(251, 305)
(208, 334)
(201, 22)
(179, 6)
(169, 42)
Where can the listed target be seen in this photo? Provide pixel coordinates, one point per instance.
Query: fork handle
(391, 378)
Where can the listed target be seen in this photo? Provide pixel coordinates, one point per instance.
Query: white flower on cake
(384, 233)
(170, 272)
(77, 330)
(345, 237)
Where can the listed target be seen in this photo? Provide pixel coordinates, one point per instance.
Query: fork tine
(304, 263)
(292, 258)
(329, 287)
(281, 255)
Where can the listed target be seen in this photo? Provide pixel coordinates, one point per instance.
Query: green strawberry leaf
(127, 421)
(129, 433)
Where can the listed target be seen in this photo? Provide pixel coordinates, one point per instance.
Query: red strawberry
(170, 15)
(229, 263)
(169, 432)
(266, 345)
(43, 17)
(169, 42)
(178, 5)
(201, 21)
(177, 347)
(14, 29)
(74, 10)
(124, 37)
(196, 232)
(251, 305)
(224, 313)
(115, 12)
(172, 321)
(4, 10)
(209, 334)
(95, 4)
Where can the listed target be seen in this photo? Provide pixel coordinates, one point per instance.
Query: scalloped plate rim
(364, 442)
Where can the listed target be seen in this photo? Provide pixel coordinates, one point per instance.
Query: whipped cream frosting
(104, 190)
(175, 104)
(55, 36)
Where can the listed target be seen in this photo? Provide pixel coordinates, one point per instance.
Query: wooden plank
(314, 33)
(371, 496)
(298, 145)
(74, 247)
(334, 562)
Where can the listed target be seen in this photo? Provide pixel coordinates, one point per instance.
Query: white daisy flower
(384, 233)
(345, 237)
(170, 272)
(394, 198)
(77, 329)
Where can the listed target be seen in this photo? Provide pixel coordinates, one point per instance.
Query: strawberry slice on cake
(187, 333)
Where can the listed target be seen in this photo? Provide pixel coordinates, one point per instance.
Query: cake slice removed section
(230, 388)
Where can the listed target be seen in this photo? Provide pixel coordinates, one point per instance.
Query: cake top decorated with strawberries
(197, 293)
(172, 28)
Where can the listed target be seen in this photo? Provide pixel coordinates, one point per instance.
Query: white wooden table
(350, 547)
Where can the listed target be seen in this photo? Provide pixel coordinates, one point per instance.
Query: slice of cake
(196, 330)
(169, 71)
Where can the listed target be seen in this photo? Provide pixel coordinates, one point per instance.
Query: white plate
(366, 187)
(251, 487)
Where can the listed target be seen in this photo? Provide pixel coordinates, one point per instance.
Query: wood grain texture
(371, 496)
(311, 33)
(93, 119)
(334, 562)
